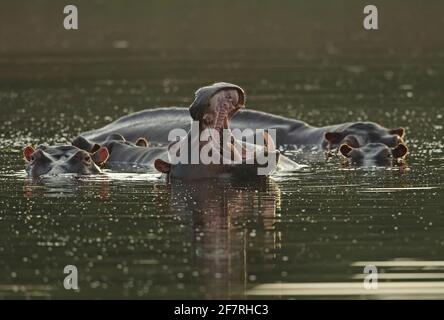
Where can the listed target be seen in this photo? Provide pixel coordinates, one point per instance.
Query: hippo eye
(32, 158)
(87, 159)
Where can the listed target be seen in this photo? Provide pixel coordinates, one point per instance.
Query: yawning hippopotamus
(218, 151)
(52, 160)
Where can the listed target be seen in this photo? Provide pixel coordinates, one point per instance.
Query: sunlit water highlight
(304, 233)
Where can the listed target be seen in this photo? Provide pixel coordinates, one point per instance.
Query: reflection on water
(306, 233)
(222, 241)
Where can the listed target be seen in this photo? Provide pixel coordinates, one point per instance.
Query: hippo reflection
(223, 240)
(53, 160)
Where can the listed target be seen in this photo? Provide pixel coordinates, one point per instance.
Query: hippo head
(213, 108)
(367, 141)
(377, 154)
(52, 160)
(361, 133)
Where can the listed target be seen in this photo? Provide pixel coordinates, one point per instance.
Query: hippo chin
(54, 160)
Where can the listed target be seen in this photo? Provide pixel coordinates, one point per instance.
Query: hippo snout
(374, 153)
(81, 156)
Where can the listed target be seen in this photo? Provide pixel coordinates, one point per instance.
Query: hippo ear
(399, 131)
(162, 166)
(100, 156)
(27, 152)
(345, 150)
(83, 143)
(142, 142)
(400, 151)
(334, 137)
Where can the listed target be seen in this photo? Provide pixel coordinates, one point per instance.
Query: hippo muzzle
(374, 154)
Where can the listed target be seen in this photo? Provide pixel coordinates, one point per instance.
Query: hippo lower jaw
(243, 170)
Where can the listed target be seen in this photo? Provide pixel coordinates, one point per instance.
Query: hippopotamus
(53, 160)
(123, 153)
(212, 110)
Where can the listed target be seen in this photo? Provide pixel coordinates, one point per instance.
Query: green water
(134, 236)
(302, 234)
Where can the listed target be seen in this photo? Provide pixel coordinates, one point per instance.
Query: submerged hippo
(373, 154)
(53, 160)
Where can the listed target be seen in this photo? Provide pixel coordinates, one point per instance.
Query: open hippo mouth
(220, 151)
(223, 105)
(215, 105)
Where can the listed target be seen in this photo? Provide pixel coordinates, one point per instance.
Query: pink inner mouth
(223, 105)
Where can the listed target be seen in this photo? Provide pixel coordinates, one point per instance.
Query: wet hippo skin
(124, 154)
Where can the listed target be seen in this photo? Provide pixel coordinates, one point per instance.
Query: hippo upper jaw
(222, 107)
(216, 104)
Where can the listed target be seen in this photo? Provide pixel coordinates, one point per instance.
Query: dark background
(36, 26)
